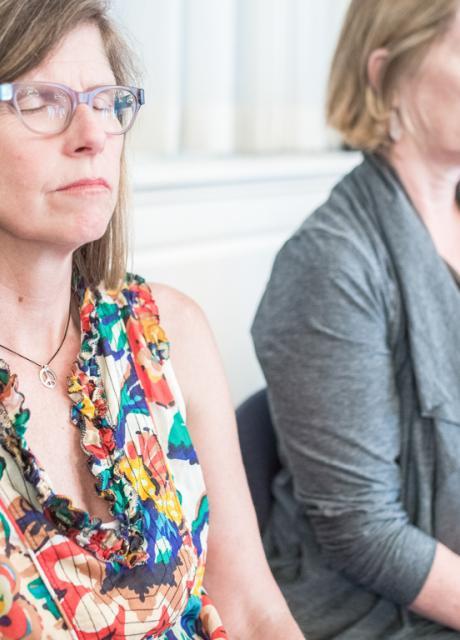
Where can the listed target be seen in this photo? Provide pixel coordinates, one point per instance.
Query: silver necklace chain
(47, 376)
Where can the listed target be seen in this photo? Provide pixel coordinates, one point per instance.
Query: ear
(375, 63)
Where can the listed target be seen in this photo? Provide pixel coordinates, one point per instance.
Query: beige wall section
(213, 229)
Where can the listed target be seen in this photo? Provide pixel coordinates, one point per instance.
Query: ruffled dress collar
(124, 544)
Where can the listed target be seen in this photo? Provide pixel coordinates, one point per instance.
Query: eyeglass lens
(47, 109)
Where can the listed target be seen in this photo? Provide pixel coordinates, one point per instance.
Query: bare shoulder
(178, 311)
(172, 300)
(191, 340)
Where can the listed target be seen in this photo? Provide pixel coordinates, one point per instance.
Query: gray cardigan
(358, 335)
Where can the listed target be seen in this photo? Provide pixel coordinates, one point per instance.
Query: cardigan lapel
(430, 296)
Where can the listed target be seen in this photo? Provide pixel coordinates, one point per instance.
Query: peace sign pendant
(47, 377)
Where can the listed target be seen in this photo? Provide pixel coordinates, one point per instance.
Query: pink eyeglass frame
(8, 95)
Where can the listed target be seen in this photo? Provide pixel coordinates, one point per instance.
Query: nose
(85, 134)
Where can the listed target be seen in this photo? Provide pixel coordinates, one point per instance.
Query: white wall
(232, 76)
(211, 229)
(226, 77)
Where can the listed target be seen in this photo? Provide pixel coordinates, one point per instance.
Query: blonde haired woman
(103, 507)
(358, 334)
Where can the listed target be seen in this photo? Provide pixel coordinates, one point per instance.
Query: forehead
(79, 60)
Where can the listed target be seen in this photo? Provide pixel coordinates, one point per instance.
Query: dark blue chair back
(259, 450)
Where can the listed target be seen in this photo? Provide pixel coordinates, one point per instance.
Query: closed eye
(38, 109)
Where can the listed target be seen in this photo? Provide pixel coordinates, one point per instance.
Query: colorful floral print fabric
(64, 573)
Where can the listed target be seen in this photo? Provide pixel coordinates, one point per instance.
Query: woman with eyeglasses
(105, 492)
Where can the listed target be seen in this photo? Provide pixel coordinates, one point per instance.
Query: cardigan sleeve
(322, 337)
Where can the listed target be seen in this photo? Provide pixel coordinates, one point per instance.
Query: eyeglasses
(48, 108)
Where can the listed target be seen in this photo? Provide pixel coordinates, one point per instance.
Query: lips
(85, 183)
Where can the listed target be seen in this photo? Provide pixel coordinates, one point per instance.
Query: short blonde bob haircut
(29, 31)
(406, 29)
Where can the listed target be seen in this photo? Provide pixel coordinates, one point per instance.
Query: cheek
(18, 169)
(21, 179)
(113, 153)
(421, 119)
(15, 155)
(429, 107)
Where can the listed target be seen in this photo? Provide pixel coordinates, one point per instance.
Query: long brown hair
(29, 31)
(406, 29)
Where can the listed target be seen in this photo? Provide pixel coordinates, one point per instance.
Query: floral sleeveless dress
(63, 573)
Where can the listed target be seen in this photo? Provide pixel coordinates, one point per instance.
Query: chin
(87, 238)
(89, 226)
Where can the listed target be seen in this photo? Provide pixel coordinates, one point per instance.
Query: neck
(431, 181)
(35, 294)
